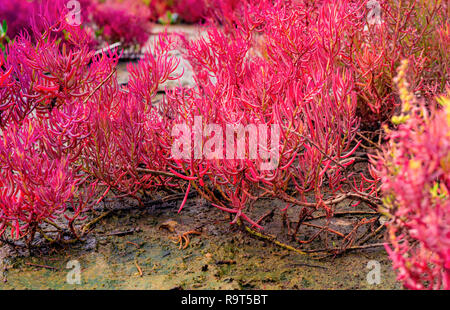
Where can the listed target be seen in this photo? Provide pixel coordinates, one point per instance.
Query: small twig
(363, 198)
(369, 141)
(268, 214)
(176, 197)
(274, 240)
(99, 85)
(46, 237)
(8, 242)
(184, 237)
(108, 48)
(337, 214)
(155, 172)
(138, 268)
(123, 233)
(135, 244)
(94, 221)
(373, 234)
(356, 247)
(226, 262)
(308, 265)
(41, 266)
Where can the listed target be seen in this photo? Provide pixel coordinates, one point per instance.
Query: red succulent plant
(415, 175)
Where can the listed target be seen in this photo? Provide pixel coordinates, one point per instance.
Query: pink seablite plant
(17, 14)
(63, 111)
(191, 11)
(370, 46)
(39, 186)
(300, 67)
(45, 85)
(415, 175)
(127, 147)
(35, 187)
(21, 16)
(402, 29)
(279, 69)
(48, 72)
(124, 21)
(159, 8)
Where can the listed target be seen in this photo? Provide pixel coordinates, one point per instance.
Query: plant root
(275, 241)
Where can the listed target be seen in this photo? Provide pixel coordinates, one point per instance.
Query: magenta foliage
(123, 21)
(35, 186)
(5, 82)
(47, 71)
(153, 70)
(406, 29)
(17, 14)
(45, 85)
(22, 16)
(415, 174)
(414, 170)
(191, 11)
(417, 184)
(69, 129)
(127, 133)
(291, 81)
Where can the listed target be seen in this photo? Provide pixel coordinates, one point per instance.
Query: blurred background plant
(416, 30)
(4, 39)
(415, 175)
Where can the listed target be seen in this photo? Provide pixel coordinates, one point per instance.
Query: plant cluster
(188, 11)
(415, 176)
(125, 21)
(298, 77)
(69, 132)
(416, 30)
(112, 21)
(17, 14)
(276, 70)
(191, 11)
